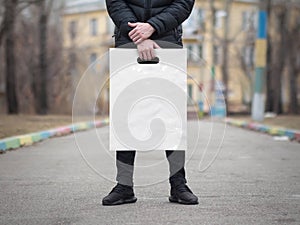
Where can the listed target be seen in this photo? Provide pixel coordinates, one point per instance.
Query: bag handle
(152, 61)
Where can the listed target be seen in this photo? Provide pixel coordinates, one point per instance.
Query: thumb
(132, 24)
(156, 46)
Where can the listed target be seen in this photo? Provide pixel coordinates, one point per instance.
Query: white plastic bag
(148, 101)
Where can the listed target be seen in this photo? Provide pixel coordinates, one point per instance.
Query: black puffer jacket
(166, 16)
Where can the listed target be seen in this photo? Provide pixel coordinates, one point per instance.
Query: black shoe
(183, 195)
(120, 194)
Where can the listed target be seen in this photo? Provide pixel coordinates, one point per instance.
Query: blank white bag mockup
(148, 102)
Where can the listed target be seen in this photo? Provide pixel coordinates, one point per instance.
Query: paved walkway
(254, 180)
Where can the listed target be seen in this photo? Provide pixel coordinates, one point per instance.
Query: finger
(133, 32)
(132, 24)
(137, 42)
(144, 56)
(148, 54)
(135, 37)
(140, 54)
(152, 53)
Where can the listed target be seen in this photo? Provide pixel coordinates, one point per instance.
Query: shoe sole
(176, 200)
(121, 202)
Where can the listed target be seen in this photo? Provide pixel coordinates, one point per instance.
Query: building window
(245, 20)
(93, 27)
(248, 55)
(189, 52)
(194, 23)
(218, 18)
(200, 51)
(249, 20)
(217, 55)
(93, 58)
(195, 52)
(190, 91)
(200, 15)
(201, 18)
(72, 62)
(73, 29)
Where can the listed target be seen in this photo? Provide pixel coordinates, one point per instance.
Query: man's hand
(141, 32)
(146, 49)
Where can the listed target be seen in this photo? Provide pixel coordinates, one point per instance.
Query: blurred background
(47, 45)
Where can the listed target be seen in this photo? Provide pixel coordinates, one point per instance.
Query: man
(144, 24)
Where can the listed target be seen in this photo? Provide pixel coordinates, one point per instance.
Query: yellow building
(88, 28)
(87, 36)
(204, 37)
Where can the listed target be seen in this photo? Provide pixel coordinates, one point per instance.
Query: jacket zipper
(147, 9)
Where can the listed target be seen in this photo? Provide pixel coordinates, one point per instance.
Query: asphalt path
(240, 177)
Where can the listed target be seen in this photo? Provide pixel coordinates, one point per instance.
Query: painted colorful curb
(29, 139)
(272, 130)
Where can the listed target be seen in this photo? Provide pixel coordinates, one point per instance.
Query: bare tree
(269, 78)
(225, 47)
(282, 15)
(2, 11)
(213, 37)
(43, 85)
(40, 82)
(245, 55)
(10, 72)
(293, 61)
(283, 53)
(225, 41)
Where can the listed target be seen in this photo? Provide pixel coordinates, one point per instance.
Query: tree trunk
(2, 29)
(280, 60)
(225, 75)
(293, 66)
(213, 36)
(269, 80)
(10, 71)
(42, 96)
(293, 106)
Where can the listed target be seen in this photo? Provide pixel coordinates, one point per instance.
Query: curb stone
(31, 138)
(271, 130)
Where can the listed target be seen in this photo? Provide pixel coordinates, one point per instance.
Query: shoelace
(118, 189)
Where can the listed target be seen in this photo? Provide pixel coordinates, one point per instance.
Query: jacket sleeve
(121, 14)
(172, 16)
